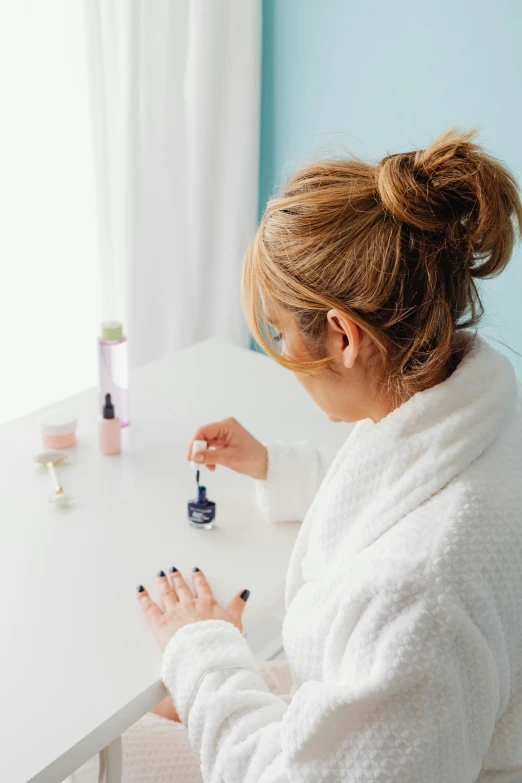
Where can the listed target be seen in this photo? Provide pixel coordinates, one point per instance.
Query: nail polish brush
(201, 510)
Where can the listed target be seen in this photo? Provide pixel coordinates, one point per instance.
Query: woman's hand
(181, 607)
(232, 446)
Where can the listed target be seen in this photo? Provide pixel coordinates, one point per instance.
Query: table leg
(110, 763)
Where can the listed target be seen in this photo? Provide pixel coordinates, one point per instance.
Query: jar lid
(57, 423)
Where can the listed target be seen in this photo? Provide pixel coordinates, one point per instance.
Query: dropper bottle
(109, 430)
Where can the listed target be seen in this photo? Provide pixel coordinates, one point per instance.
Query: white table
(78, 663)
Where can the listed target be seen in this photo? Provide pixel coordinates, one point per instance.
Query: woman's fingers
(213, 457)
(201, 586)
(181, 588)
(236, 606)
(215, 434)
(167, 593)
(152, 611)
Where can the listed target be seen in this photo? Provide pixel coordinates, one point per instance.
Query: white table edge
(101, 736)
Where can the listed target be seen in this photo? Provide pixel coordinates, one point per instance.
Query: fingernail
(140, 589)
(173, 569)
(199, 458)
(161, 573)
(195, 569)
(244, 595)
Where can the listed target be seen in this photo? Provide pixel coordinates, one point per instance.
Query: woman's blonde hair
(395, 246)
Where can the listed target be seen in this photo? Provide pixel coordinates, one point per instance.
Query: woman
(403, 627)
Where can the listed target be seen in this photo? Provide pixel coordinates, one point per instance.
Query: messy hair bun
(396, 246)
(454, 189)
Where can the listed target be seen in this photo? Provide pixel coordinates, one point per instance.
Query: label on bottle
(201, 514)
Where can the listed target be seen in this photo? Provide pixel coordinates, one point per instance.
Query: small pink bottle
(109, 429)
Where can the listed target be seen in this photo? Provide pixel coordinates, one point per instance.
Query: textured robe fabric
(403, 625)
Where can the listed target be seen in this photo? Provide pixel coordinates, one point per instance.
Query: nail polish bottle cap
(198, 445)
(108, 408)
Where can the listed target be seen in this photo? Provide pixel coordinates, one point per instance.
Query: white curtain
(129, 154)
(175, 94)
(50, 275)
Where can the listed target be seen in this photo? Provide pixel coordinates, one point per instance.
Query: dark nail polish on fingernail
(173, 569)
(195, 569)
(244, 595)
(161, 573)
(140, 589)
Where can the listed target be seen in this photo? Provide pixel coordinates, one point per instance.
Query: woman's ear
(344, 337)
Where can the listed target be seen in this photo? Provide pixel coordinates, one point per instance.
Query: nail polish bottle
(109, 430)
(202, 512)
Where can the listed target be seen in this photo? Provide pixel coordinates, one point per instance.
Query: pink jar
(58, 430)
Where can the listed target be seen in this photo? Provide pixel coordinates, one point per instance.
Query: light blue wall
(380, 77)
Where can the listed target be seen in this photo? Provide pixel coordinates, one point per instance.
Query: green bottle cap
(111, 330)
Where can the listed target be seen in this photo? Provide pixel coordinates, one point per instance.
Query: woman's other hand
(166, 710)
(231, 445)
(181, 607)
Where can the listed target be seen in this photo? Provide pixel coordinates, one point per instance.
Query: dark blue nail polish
(244, 595)
(140, 589)
(195, 569)
(161, 573)
(173, 569)
(201, 510)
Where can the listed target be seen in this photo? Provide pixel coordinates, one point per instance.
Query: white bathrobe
(403, 624)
